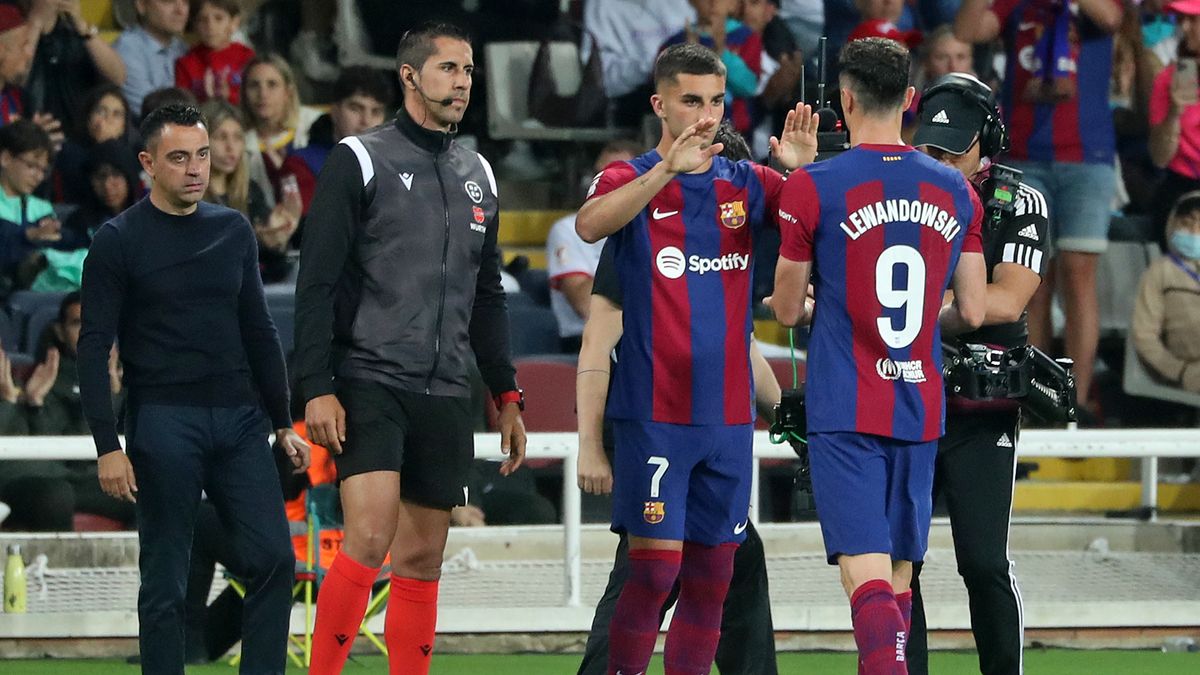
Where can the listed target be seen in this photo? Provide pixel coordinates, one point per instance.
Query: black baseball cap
(950, 120)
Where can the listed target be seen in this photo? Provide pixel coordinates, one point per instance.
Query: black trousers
(212, 629)
(747, 645)
(177, 452)
(976, 468)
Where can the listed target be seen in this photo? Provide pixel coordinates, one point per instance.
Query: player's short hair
(877, 71)
(363, 81)
(686, 59)
(417, 45)
(736, 149)
(21, 136)
(179, 115)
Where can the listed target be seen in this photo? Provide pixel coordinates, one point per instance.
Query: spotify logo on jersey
(670, 262)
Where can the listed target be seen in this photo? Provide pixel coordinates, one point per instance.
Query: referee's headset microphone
(440, 101)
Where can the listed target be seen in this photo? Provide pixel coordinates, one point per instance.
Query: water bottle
(14, 581)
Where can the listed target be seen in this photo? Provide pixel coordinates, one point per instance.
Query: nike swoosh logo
(659, 215)
(740, 527)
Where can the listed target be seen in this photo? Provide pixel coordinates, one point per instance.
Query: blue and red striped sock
(904, 602)
(696, 627)
(878, 629)
(634, 627)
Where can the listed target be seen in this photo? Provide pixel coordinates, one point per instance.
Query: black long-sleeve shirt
(182, 295)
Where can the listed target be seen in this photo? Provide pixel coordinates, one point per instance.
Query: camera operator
(960, 125)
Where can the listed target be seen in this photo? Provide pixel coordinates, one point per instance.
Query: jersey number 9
(910, 295)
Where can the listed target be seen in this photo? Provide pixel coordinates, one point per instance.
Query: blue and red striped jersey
(685, 266)
(1050, 40)
(883, 226)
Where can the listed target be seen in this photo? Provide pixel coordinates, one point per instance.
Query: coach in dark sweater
(176, 280)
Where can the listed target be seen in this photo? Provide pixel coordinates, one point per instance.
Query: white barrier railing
(1145, 444)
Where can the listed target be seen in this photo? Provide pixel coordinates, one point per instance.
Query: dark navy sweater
(183, 297)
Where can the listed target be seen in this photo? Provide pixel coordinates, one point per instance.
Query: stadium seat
(549, 385)
(536, 283)
(1117, 279)
(10, 338)
(521, 299)
(90, 522)
(533, 330)
(1139, 381)
(23, 304)
(510, 65)
(39, 321)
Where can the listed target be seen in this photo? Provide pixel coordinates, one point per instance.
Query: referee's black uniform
(976, 468)
(399, 291)
(202, 359)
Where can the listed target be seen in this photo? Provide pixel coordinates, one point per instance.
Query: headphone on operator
(993, 137)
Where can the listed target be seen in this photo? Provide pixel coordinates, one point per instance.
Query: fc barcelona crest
(654, 512)
(733, 214)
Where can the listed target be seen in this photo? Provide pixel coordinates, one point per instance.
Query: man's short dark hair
(167, 96)
(180, 115)
(876, 70)
(417, 44)
(22, 136)
(686, 59)
(69, 300)
(365, 81)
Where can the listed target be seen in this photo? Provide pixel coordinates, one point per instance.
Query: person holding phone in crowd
(1175, 117)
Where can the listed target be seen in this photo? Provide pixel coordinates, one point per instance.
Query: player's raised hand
(692, 150)
(594, 473)
(512, 438)
(797, 145)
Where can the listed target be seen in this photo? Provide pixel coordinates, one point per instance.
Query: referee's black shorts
(429, 440)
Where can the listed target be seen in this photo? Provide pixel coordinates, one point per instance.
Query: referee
(176, 279)
(399, 291)
(960, 125)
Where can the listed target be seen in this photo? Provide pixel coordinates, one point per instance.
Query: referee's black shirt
(183, 296)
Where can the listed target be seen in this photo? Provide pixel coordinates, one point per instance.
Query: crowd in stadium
(1117, 151)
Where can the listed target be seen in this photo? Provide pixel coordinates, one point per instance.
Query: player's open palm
(595, 473)
(797, 144)
(692, 149)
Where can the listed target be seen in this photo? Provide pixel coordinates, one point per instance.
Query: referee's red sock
(878, 629)
(341, 606)
(410, 624)
(634, 626)
(696, 627)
